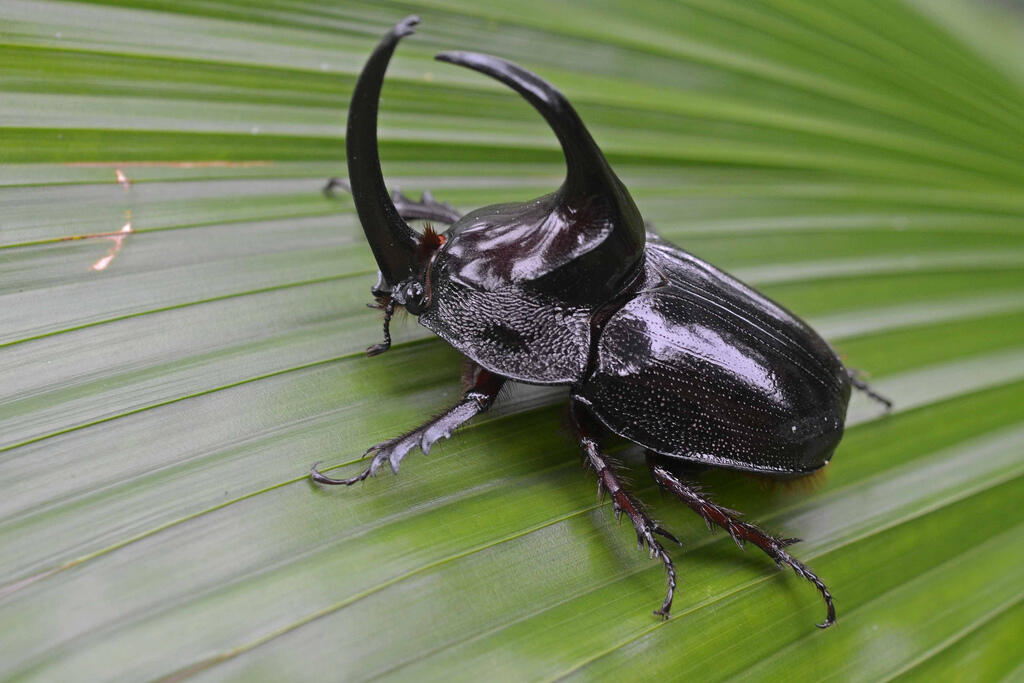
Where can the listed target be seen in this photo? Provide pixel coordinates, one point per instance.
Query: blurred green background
(861, 162)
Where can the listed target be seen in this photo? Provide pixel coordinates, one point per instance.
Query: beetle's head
(401, 252)
(583, 242)
(412, 291)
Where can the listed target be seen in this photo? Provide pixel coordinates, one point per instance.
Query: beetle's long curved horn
(588, 174)
(392, 240)
(587, 169)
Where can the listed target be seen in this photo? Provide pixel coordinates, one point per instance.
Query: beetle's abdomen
(701, 369)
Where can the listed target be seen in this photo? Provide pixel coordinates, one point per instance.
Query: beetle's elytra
(573, 288)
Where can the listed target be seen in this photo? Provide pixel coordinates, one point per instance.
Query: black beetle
(574, 289)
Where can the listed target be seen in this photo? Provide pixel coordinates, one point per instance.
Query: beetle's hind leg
(483, 389)
(861, 385)
(728, 519)
(608, 480)
(427, 208)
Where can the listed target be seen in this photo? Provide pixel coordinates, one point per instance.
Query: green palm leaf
(861, 162)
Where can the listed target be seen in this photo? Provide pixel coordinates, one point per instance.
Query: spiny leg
(861, 385)
(477, 399)
(622, 501)
(427, 208)
(741, 531)
(333, 183)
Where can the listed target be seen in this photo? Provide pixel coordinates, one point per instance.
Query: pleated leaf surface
(164, 391)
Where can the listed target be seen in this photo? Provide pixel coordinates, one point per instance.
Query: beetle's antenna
(377, 349)
(393, 242)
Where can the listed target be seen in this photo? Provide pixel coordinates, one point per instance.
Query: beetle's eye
(413, 297)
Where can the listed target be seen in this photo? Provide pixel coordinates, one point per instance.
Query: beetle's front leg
(712, 513)
(483, 389)
(622, 501)
(427, 208)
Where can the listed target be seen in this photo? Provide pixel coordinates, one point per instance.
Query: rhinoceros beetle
(573, 288)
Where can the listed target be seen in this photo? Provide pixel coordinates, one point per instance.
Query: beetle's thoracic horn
(392, 240)
(590, 181)
(587, 168)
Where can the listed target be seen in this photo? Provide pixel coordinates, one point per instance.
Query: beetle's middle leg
(482, 389)
(728, 519)
(622, 501)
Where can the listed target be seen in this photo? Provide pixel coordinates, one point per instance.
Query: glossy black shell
(691, 363)
(570, 288)
(704, 368)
